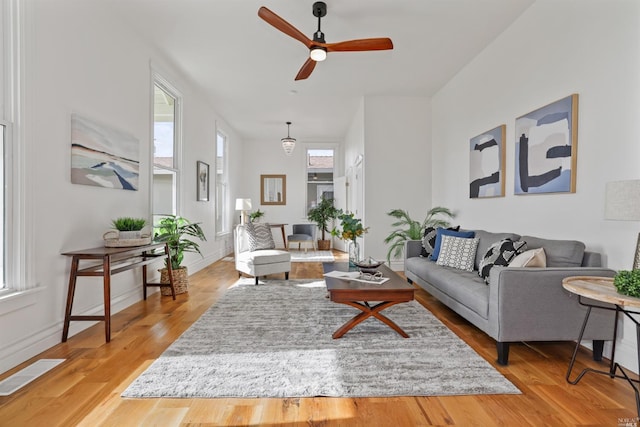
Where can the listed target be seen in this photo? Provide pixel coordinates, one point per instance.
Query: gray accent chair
(303, 233)
(261, 262)
(519, 303)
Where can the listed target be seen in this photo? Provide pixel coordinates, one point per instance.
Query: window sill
(11, 300)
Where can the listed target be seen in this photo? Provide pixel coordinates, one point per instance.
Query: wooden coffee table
(360, 294)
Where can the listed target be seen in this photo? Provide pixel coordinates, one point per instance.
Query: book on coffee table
(356, 276)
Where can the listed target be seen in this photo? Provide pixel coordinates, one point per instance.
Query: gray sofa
(518, 303)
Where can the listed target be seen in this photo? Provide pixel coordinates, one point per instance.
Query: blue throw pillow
(443, 232)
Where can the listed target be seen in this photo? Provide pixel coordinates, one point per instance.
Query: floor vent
(26, 375)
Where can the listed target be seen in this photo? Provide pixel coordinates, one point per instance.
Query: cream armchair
(260, 262)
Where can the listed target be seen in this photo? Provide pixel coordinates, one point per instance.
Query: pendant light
(288, 143)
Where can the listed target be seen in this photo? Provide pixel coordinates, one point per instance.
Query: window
(16, 273)
(319, 175)
(222, 185)
(3, 138)
(166, 137)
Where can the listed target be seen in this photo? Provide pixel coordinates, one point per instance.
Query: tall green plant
(172, 230)
(323, 214)
(409, 229)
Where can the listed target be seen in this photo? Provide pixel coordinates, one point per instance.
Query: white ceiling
(247, 68)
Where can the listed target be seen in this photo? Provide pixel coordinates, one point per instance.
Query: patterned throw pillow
(500, 253)
(429, 240)
(440, 232)
(260, 236)
(458, 252)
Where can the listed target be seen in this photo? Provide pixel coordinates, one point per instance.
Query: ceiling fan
(318, 48)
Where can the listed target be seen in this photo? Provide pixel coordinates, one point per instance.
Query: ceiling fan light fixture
(318, 53)
(288, 143)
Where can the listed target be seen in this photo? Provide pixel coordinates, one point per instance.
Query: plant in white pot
(127, 231)
(172, 230)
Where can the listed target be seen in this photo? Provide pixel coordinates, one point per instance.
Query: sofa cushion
(500, 253)
(264, 256)
(530, 258)
(458, 252)
(259, 236)
(467, 288)
(487, 239)
(444, 232)
(559, 253)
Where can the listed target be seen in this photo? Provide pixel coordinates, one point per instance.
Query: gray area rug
(274, 340)
(311, 256)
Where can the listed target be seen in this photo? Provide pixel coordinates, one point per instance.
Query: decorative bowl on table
(368, 265)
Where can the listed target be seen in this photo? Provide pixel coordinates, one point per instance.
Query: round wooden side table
(601, 289)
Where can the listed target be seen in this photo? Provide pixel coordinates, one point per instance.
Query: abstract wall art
(487, 164)
(103, 156)
(546, 148)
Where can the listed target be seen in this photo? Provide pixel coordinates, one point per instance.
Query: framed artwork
(202, 171)
(103, 156)
(546, 148)
(487, 163)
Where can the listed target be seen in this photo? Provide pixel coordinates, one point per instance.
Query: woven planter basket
(180, 281)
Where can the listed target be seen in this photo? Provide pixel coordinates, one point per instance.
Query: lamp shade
(288, 144)
(623, 200)
(243, 204)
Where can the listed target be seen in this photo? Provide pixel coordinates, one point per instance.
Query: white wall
(397, 164)
(556, 48)
(81, 59)
(266, 157)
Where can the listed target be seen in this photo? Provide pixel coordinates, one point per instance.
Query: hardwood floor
(85, 390)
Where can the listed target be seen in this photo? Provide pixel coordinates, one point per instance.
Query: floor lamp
(623, 203)
(243, 205)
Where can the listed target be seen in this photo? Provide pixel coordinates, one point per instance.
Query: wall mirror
(273, 189)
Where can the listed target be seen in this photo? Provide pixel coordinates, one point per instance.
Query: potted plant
(322, 215)
(127, 231)
(172, 230)
(128, 226)
(255, 216)
(350, 229)
(410, 229)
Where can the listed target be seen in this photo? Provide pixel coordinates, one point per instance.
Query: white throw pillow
(530, 258)
(259, 236)
(458, 252)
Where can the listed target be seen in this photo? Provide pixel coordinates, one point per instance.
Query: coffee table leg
(367, 312)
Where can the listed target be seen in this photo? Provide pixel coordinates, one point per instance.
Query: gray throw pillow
(260, 237)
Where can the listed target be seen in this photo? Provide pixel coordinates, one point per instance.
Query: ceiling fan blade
(382, 43)
(306, 69)
(282, 25)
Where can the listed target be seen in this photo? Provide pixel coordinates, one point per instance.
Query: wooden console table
(114, 260)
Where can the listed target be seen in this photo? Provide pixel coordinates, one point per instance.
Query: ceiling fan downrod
(319, 10)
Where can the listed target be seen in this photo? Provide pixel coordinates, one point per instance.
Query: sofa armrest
(531, 304)
(412, 248)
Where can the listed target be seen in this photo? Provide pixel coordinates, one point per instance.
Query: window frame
(157, 79)
(312, 147)
(18, 209)
(222, 212)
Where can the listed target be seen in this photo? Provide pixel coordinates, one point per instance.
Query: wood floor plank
(85, 390)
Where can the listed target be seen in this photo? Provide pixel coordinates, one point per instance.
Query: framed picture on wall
(202, 171)
(546, 148)
(487, 163)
